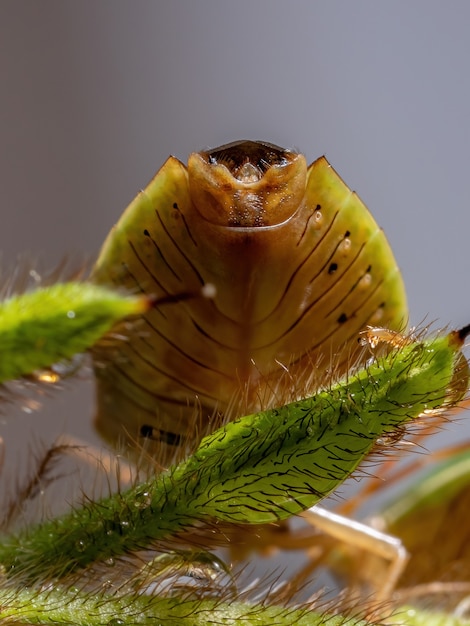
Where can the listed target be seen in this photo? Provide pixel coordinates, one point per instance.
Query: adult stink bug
(299, 267)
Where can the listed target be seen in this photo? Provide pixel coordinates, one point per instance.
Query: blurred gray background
(96, 95)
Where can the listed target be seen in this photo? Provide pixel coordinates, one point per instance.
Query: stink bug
(305, 287)
(299, 267)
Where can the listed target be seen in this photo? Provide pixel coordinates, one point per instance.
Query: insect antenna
(207, 291)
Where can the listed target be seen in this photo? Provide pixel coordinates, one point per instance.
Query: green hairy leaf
(52, 323)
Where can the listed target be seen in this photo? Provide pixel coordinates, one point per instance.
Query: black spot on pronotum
(342, 318)
(333, 267)
(347, 233)
(318, 207)
(175, 206)
(146, 233)
(149, 432)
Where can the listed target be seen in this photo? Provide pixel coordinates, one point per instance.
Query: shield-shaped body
(299, 266)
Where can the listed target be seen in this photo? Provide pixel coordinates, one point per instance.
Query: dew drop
(47, 376)
(143, 500)
(80, 546)
(209, 290)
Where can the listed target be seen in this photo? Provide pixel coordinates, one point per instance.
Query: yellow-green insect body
(299, 266)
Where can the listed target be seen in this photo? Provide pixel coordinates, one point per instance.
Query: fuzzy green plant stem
(260, 468)
(66, 607)
(49, 324)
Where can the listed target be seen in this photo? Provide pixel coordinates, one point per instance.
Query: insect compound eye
(247, 184)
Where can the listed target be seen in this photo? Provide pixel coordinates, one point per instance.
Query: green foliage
(259, 468)
(46, 325)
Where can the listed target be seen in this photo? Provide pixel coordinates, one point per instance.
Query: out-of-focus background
(95, 95)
